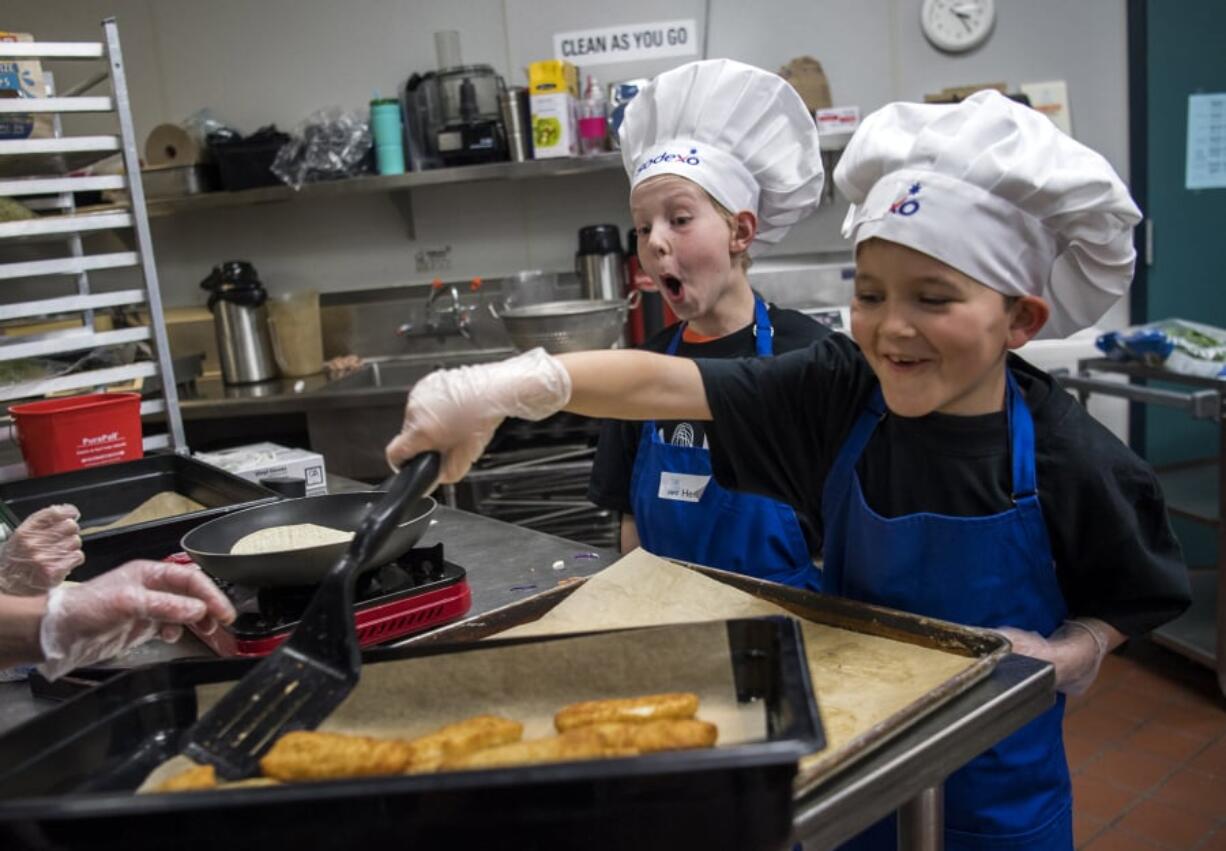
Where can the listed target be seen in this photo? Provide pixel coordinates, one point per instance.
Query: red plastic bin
(57, 435)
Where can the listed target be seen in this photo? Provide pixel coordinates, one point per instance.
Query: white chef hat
(741, 133)
(997, 191)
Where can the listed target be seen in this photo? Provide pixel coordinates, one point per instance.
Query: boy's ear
(744, 229)
(1027, 316)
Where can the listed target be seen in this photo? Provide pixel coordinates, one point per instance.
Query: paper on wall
(1051, 99)
(1206, 168)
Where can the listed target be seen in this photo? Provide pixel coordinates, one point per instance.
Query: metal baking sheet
(66, 776)
(106, 493)
(983, 647)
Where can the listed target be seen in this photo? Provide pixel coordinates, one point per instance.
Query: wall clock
(956, 26)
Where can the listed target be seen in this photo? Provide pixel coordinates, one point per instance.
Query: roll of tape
(170, 144)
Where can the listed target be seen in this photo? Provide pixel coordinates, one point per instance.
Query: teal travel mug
(388, 134)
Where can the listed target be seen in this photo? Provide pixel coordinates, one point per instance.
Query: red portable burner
(415, 592)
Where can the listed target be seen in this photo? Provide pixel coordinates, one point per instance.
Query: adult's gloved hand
(456, 411)
(126, 607)
(41, 552)
(1076, 650)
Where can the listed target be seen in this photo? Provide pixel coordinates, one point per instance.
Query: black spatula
(299, 684)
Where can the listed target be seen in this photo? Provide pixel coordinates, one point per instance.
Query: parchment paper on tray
(530, 682)
(157, 507)
(860, 679)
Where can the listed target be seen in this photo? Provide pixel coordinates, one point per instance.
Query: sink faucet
(458, 313)
(453, 318)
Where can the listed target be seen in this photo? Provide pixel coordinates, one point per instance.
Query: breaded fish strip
(200, 777)
(304, 755)
(655, 736)
(460, 739)
(249, 783)
(577, 744)
(630, 710)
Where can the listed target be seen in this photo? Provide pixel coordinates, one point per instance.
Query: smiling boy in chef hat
(723, 158)
(978, 227)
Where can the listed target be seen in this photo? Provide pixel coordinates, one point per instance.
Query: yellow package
(551, 76)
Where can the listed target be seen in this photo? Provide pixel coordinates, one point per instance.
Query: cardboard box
(553, 91)
(267, 460)
(555, 130)
(23, 78)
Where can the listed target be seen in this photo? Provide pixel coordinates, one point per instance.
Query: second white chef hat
(741, 133)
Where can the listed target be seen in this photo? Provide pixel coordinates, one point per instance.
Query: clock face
(957, 25)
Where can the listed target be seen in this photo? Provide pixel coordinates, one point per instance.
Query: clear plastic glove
(41, 552)
(456, 411)
(1076, 650)
(126, 607)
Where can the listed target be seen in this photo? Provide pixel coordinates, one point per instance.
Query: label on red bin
(101, 449)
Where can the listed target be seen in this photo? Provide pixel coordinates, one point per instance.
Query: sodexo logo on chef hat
(666, 157)
(907, 204)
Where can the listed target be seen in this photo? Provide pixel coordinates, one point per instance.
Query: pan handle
(403, 491)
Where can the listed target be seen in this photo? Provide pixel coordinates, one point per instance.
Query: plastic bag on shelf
(204, 125)
(1189, 348)
(331, 144)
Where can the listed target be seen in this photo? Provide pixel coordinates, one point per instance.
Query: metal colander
(566, 326)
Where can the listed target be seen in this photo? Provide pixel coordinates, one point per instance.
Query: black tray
(104, 494)
(66, 776)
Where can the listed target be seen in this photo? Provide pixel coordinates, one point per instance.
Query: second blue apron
(989, 571)
(682, 513)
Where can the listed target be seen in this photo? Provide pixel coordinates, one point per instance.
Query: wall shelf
(398, 185)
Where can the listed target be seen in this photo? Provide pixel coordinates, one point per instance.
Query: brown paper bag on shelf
(809, 80)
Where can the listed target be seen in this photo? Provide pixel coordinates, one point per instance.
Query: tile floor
(1147, 749)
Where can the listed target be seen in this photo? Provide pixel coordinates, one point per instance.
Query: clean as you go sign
(627, 43)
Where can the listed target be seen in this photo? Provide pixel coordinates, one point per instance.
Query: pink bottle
(593, 123)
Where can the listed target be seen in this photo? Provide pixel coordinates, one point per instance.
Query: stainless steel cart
(1193, 491)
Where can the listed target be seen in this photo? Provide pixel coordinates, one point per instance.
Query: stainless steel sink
(361, 412)
(407, 371)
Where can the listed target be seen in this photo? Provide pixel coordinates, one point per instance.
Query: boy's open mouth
(671, 283)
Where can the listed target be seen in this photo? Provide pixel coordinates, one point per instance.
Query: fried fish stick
(250, 783)
(577, 744)
(630, 710)
(200, 777)
(306, 755)
(462, 738)
(656, 736)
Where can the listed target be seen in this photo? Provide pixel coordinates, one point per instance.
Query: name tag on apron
(682, 487)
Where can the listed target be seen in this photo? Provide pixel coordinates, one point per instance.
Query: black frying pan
(209, 545)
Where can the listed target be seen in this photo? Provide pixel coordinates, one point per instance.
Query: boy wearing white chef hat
(952, 478)
(723, 159)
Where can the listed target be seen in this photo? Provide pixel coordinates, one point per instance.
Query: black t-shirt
(779, 424)
(619, 441)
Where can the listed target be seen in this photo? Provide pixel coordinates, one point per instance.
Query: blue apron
(981, 571)
(682, 513)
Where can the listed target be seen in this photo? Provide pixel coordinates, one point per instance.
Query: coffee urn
(600, 264)
(240, 319)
